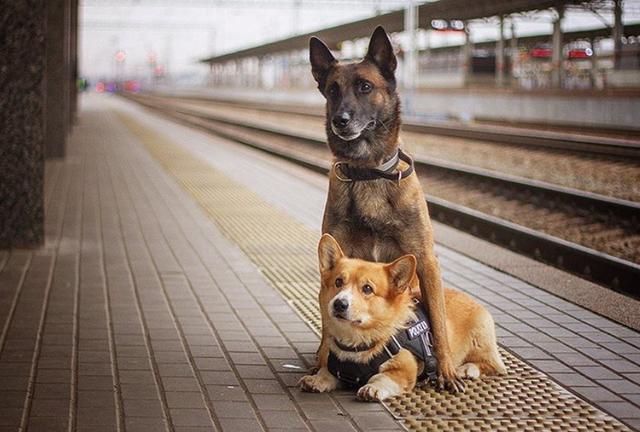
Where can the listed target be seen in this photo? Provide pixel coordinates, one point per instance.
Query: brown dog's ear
(321, 61)
(381, 53)
(329, 252)
(401, 272)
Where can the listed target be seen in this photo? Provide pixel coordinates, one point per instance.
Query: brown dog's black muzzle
(341, 120)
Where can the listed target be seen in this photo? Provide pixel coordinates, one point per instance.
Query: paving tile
(50, 407)
(96, 398)
(10, 416)
(597, 394)
(95, 383)
(551, 366)
(620, 386)
(258, 386)
(226, 393)
(597, 372)
(175, 370)
(333, 425)
(273, 402)
(252, 371)
(219, 377)
(184, 400)
(12, 398)
(145, 424)
(246, 358)
(142, 408)
(211, 364)
(282, 419)
(376, 421)
(190, 417)
(139, 391)
(237, 424)
(48, 424)
(624, 410)
(233, 409)
(572, 379)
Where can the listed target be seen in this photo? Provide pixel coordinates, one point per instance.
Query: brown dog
(370, 306)
(376, 217)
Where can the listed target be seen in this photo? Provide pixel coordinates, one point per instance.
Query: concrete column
(514, 54)
(500, 55)
(556, 55)
(22, 123)
(57, 77)
(410, 23)
(617, 32)
(467, 54)
(594, 64)
(73, 57)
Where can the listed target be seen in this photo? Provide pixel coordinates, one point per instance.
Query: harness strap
(415, 338)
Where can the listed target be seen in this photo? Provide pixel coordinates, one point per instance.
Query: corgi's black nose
(341, 120)
(340, 305)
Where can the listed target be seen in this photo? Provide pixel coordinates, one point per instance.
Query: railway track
(594, 236)
(602, 144)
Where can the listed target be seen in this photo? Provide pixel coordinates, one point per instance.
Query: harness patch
(417, 329)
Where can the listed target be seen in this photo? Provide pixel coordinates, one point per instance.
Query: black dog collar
(348, 173)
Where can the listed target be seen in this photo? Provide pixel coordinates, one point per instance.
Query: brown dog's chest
(372, 219)
(374, 207)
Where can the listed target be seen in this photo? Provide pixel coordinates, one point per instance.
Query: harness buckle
(336, 169)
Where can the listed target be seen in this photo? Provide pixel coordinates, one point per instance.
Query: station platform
(176, 291)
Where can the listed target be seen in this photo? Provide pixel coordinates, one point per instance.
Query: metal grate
(285, 252)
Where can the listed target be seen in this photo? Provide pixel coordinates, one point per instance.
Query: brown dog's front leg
(433, 296)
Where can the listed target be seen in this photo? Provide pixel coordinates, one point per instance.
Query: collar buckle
(337, 169)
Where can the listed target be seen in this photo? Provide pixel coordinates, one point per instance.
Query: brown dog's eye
(339, 282)
(334, 90)
(365, 87)
(367, 289)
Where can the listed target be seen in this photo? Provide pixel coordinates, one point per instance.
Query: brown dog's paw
(321, 382)
(449, 380)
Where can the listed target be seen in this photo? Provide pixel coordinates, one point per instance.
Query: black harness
(415, 338)
(349, 173)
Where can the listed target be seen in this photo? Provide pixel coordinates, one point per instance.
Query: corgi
(378, 333)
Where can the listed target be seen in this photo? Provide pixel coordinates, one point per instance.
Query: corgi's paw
(321, 382)
(379, 388)
(469, 371)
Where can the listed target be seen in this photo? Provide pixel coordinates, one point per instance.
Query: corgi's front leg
(397, 375)
(320, 382)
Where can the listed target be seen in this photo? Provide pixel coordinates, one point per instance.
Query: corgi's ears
(381, 53)
(401, 272)
(329, 252)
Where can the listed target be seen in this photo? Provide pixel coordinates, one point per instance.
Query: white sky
(180, 32)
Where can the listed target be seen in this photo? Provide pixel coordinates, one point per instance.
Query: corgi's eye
(365, 87)
(367, 289)
(339, 282)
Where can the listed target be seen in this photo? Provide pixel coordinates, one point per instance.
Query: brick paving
(138, 314)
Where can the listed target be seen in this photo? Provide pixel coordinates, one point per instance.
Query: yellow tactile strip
(285, 249)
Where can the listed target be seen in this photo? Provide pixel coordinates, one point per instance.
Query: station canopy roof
(394, 22)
